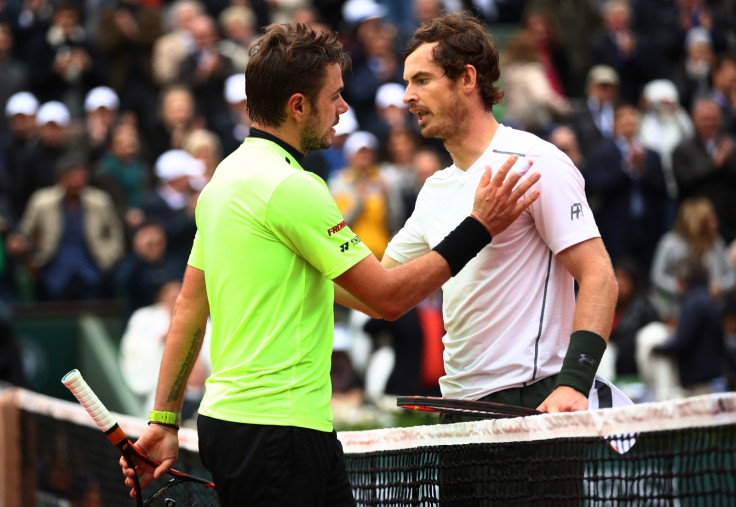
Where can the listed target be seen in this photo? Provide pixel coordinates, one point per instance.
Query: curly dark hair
(288, 59)
(462, 40)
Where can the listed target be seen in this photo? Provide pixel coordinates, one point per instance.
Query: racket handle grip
(89, 400)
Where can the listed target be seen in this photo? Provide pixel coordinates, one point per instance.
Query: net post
(11, 473)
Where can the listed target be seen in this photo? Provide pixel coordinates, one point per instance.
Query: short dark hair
(288, 59)
(462, 40)
(71, 159)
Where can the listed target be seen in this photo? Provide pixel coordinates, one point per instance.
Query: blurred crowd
(117, 112)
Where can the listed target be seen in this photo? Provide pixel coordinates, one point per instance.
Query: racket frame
(109, 426)
(470, 408)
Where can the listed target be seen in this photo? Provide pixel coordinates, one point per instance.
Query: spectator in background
(102, 107)
(178, 118)
(361, 194)
(13, 70)
(126, 34)
(30, 25)
(627, 180)
(584, 15)
(238, 25)
(172, 202)
(233, 124)
(692, 73)
(707, 16)
(142, 347)
(144, 269)
(664, 125)
(705, 165)
(20, 111)
(723, 89)
(633, 311)
(566, 140)
(205, 69)
(176, 43)
(528, 91)
(36, 170)
(398, 173)
(391, 113)
(620, 48)
(66, 63)
(123, 173)
(71, 234)
(592, 117)
(695, 234)
(374, 55)
(205, 146)
(543, 27)
(697, 345)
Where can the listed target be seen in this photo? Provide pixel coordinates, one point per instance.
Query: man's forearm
(183, 342)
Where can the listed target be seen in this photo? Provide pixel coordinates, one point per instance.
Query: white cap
(102, 96)
(177, 163)
(53, 112)
(698, 35)
(235, 89)
(357, 11)
(661, 90)
(357, 141)
(21, 103)
(390, 94)
(347, 123)
(603, 74)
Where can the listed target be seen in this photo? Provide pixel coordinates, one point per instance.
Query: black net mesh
(692, 466)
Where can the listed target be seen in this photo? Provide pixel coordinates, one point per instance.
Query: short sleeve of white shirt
(562, 215)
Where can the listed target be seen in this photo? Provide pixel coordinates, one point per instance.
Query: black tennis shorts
(274, 466)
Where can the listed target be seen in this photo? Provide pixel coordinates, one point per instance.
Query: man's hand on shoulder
(498, 198)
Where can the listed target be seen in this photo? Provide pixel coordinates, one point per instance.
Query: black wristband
(172, 426)
(463, 243)
(581, 361)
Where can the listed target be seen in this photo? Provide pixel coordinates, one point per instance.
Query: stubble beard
(450, 129)
(312, 139)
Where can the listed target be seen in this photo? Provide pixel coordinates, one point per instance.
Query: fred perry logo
(337, 228)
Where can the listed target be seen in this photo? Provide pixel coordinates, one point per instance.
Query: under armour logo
(576, 210)
(586, 360)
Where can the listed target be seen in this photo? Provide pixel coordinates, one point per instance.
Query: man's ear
(298, 106)
(469, 79)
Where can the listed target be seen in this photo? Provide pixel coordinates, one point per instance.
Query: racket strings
(182, 492)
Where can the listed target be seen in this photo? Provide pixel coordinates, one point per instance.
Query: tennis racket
(479, 409)
(181, 490)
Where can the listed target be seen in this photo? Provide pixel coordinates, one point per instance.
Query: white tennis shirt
(508, 314)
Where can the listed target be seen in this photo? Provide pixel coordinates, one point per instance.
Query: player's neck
(286, 134)
(467, 148)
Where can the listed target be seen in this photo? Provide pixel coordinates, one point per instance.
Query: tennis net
(678, 453)
(672, 453)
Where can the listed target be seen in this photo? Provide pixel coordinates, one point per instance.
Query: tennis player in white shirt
(515, 331)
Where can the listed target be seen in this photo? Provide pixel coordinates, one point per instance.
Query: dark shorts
(261, 465)
(530, 396)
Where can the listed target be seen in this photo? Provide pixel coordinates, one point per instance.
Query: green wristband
(581, 361)
(164, 418)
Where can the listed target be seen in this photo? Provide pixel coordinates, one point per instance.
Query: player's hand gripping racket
(181, 490)
(479, 409)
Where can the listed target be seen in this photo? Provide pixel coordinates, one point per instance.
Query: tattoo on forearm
(181, 379)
